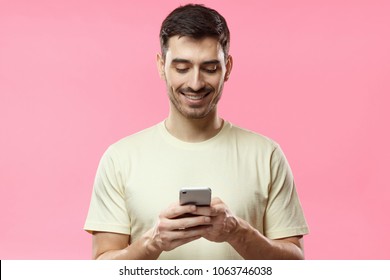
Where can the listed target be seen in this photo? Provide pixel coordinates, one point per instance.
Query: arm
(115, 246)
(251, 244)
(246, 240)
(169, 233)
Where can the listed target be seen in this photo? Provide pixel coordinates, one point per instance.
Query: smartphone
(197, 196)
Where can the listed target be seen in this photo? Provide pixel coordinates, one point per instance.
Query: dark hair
(196, 21)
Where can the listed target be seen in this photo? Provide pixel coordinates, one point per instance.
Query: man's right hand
(173, 230)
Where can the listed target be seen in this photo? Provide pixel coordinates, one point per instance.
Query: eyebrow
(181, 60)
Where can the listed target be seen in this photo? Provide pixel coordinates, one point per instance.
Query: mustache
(202, 90)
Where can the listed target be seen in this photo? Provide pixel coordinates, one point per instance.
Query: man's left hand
(223, 222)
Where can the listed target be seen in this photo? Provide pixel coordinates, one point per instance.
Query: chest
(153, 182)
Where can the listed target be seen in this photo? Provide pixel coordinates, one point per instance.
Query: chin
(197, 115)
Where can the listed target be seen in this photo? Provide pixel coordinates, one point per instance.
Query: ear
(160, 66)
(229, 67)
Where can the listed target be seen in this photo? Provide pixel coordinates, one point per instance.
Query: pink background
(75, 76)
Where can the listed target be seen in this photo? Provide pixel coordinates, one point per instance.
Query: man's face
(194, 71)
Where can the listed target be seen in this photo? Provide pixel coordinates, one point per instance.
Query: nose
(196, 81)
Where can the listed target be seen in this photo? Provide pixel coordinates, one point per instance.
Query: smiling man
(195, 71)
(255, 212)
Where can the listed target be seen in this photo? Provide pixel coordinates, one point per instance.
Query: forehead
(194, 50)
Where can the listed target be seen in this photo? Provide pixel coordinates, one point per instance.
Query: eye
(181, 70)
(211, 69)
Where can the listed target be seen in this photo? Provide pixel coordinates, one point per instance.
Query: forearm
(251, 244)
(142, 249)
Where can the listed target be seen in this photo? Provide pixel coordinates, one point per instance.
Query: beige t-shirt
(141, 175)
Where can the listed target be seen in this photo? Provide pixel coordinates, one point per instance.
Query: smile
(195, 97)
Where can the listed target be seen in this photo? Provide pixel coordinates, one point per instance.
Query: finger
(194, 221)
(202, 211)
(183, 223)
(215, 200)
(188, 233)
(177, 210)
(218, 209)
(167, 238)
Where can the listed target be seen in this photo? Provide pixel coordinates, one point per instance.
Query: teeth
(192, 97)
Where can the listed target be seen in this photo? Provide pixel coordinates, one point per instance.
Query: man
(255, 212)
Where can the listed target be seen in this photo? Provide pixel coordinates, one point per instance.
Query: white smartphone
(197, 196)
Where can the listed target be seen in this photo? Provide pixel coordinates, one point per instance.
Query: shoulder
(252, 139)
(136, 141)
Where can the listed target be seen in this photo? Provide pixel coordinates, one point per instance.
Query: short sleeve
(107, 211)
(283, 215)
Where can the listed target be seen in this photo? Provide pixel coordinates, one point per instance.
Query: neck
(194, 130)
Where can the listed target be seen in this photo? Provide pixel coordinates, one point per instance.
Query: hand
(172, 231)
(223, 222)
